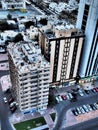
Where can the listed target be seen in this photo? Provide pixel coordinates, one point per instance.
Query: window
(85, 16)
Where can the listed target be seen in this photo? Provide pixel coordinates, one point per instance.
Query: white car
(96, 105)
(70, 95)
(13, 103)
(81, 93)
(82, 110)
(5, 100)
(78, 110)
(67, 96)
(85, 108)
(60, 99)
(57, 99)
(89, 107)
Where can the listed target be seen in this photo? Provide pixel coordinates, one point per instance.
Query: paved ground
(64, 106)
(5, 82)
(3, 57)
(49, 121)
(19, 117)
(70, 119)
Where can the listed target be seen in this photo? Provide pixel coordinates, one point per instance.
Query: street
(63, 106)
(5, 124)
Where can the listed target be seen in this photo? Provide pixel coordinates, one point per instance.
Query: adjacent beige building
(61, 45)
(65, 57)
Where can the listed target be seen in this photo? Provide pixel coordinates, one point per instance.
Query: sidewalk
(70, 119)
(87, 86)
(41, 127)
(48, 120)
(5, 82)
(19, 117)
(4, 66)
(3, 57)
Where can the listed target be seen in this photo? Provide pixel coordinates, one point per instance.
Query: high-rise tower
(88, 21)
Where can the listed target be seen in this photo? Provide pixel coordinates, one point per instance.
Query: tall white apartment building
(87, 20)
(29, 73)
(13, 4)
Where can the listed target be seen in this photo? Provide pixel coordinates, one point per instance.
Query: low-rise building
(13, 4)
(29, 73)
(32, 33)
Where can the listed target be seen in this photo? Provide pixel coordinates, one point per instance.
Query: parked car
(78, 111)
(57, 99)
(89, 107)
(13, 104)
(93, 107)
(60, 99)
(81, 93)
(87, 91)
(75, 112)
(10, 100)
(96, 105)
(93, 90)
(13, 109)
(63, 97)
(96, 89)
(85, 108)
(8, 90)
(82, 110)
(70, 95)
(5, 100)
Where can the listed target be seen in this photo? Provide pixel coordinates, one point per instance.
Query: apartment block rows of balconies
(29, 73)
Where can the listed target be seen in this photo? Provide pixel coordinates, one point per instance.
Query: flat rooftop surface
(17, 13)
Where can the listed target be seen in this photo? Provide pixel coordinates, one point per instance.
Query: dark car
(87, 91)
(96, 89)
(13, 109)
(10, 99)
(75, 112)
(8, 90)
(93, 107)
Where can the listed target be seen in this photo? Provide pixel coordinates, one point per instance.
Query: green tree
(18, 38)
(9, 16)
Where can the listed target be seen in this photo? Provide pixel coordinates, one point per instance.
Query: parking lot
(73, 94)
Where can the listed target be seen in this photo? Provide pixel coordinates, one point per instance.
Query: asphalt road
(5, 124)
(64, 106)
(4, 72)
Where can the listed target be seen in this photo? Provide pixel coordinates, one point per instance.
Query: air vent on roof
(22, 64)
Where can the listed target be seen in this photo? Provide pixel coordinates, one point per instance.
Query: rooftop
(27, 56)
(60, 23)
(13, 1)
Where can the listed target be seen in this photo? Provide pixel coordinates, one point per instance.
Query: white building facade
(29, 74)
(13, 4)
(87, 20)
